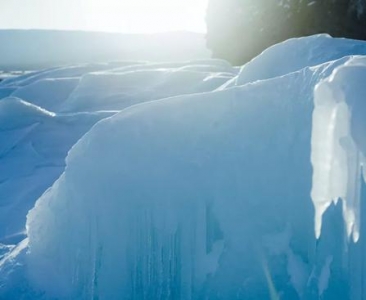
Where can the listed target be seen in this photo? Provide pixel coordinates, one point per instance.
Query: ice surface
(188, 180)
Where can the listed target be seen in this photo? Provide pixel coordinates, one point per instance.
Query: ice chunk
(167, 198)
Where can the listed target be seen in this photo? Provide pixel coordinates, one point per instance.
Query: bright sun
(128, 16)
(145, 16)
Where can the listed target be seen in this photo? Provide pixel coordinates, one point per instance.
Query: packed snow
(187, 180)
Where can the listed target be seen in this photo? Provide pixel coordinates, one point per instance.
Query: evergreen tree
(238, 30)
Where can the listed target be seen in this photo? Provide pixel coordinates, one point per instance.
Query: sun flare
(141, 16)
(127, 16)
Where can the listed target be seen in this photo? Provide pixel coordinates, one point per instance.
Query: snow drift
(196, 182)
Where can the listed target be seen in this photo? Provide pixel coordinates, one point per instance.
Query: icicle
(335, 156)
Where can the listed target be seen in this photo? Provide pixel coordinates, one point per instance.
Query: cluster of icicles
(337, 156)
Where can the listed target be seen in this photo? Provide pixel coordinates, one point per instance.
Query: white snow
(296, 54)
(186, 180)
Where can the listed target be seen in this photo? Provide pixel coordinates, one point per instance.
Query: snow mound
(298, 53)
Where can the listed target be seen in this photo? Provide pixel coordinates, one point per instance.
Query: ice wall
(190, 197)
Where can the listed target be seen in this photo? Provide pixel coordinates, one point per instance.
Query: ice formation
(46, 112)
(184, 214)
(187, 180)
(339, 143)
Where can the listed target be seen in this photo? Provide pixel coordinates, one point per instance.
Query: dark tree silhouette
(238, 30)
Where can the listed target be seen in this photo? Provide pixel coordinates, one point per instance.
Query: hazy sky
(105, 15)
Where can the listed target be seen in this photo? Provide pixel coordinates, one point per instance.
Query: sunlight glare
(125, 16)
(145, 16)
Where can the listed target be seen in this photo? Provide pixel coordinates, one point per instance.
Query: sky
(127, 16)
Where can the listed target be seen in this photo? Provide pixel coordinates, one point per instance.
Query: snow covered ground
(187, 180)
